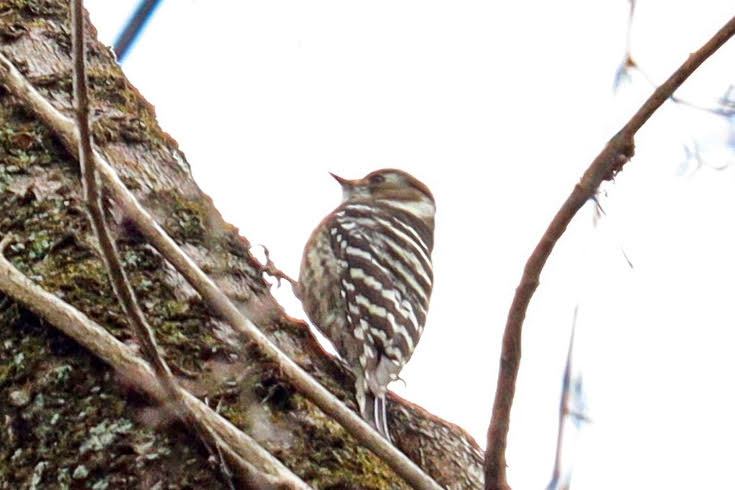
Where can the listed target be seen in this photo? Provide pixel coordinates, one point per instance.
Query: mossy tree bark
(68, 420)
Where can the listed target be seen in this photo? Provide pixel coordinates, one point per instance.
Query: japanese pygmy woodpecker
(366, 279)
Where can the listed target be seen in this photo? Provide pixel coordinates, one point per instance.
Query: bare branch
(215, 298)
(610, 161)
(139, 374)
(93, 200)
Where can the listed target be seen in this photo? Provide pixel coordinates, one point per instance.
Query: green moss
(187, 220)
(337, 462)
(37, 8)
(73, 394)
(135, 121)
(25, 145)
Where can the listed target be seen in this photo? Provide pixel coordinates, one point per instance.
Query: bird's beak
(349, 187)
(345, 183)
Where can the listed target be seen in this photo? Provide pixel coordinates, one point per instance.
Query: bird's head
(391, 187)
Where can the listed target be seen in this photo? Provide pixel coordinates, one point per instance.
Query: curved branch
(604, 167)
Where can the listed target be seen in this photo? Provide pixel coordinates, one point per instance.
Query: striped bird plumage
(366, 280)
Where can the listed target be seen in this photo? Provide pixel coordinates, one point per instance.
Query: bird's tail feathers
(372, 406)
(381, 416)
(375, 413)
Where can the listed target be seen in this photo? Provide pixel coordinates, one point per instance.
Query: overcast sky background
(498, 107)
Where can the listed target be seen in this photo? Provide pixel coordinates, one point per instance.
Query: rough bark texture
(66, 419)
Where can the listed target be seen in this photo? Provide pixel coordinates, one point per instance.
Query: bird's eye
(377, 179)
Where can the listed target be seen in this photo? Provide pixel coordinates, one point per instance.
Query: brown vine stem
(93, 200)
(611, 160)
(252, 477)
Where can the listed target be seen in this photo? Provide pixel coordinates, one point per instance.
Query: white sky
(498, 107)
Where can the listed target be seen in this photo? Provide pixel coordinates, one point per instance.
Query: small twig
(629, 31)
(628, 60)
(564, 410)
(93, 200)
(139, 374)
(610, 161)
(224, 469)
(212, 295)
(725, 109)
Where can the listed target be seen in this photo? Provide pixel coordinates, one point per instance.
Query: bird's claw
(270, 268)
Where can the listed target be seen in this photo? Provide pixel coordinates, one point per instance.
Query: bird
(366, 278)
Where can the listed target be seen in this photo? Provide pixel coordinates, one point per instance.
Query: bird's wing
(380, 288)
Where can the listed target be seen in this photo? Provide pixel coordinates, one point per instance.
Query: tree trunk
(68, 421)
